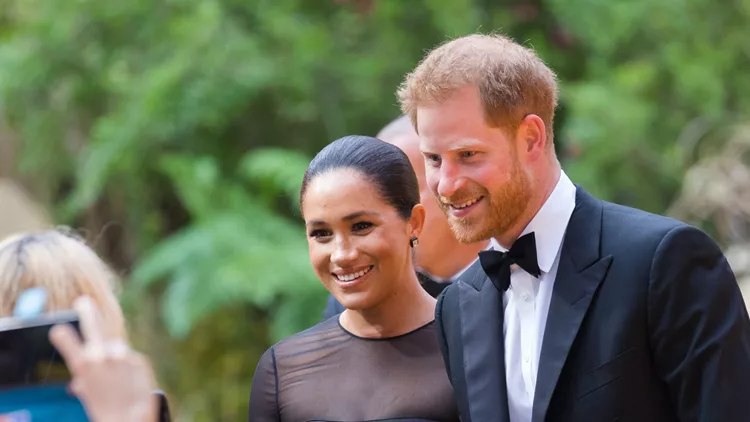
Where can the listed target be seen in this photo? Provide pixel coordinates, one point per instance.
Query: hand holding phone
(33, 376)
(113, 382)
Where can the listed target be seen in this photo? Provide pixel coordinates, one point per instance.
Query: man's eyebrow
(465, 144)
(462, 145)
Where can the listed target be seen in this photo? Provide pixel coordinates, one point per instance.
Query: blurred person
(113, 382)
(64, 268)
(360, 203)
(590, 310)
(60, 263)
(440, 258)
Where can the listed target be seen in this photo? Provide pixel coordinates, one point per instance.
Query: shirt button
(526, 297)
(526, 358)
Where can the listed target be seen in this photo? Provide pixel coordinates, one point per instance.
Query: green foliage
(661, 78)
(276, 171)
(237, 250)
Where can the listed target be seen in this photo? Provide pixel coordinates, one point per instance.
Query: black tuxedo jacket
(646, 323)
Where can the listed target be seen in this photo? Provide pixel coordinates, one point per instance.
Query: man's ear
(533, 135)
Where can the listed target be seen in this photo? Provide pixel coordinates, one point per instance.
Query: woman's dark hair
(383, 164)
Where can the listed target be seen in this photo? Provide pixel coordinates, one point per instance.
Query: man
(439, 257)
(597, 312)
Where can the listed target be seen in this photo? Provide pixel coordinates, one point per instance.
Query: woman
(379, 359)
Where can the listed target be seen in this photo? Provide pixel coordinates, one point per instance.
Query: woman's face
(359, 245)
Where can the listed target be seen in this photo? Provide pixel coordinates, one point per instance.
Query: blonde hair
(512, 80)
(65, 267)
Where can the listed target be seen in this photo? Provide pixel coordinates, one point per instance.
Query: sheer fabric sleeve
(264, 394)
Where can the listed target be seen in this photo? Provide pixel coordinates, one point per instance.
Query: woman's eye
(319, 233)
(357, 227)
(468, 154)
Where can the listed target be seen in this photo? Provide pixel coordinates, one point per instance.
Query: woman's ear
(416, 221)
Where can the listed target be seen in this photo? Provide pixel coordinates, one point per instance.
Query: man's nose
(450, 180)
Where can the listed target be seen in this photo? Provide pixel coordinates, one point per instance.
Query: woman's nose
(344, 253)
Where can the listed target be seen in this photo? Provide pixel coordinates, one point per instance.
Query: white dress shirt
(526, 302)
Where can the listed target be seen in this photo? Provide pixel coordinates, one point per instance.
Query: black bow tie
(497, 264)
(431, 286)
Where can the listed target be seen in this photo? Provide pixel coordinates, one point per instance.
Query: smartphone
(33, 376)
(27, 357)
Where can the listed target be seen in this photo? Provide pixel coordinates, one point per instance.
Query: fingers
(68, 343)
(96, 348)
(65, 339)
(75, 387)
(96, 360)
(116, 349)
(91, 326)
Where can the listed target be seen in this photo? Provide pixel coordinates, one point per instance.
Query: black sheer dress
(328, 374)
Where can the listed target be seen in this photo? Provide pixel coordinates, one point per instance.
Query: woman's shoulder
(328, 337)
(314, 338)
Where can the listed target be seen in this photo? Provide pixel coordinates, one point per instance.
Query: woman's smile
(351, 277)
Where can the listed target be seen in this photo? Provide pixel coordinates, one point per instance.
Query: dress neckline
(349, 333)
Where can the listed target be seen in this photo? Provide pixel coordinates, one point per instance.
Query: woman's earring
(413, 242)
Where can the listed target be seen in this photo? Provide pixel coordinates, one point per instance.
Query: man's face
(472, 169)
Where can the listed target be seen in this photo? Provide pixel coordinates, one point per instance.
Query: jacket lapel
(481, 308)
(579, 274)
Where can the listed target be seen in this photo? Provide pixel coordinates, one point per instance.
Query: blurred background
(173, 135)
